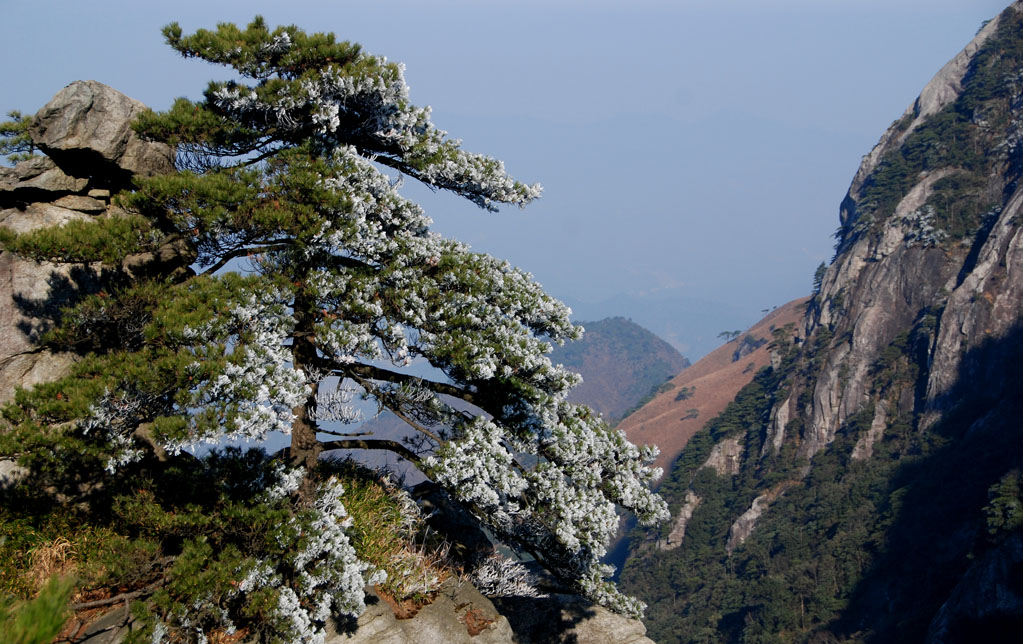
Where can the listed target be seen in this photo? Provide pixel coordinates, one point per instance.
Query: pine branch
(378, 373)
(397, 412)
(117, 599)
(380, 444)
(243, 251)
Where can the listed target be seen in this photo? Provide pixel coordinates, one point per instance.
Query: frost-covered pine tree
(340, 285)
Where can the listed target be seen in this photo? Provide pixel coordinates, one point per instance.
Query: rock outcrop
(864, 448)
(459, 614)
(743, 526)
(86, 133)
(86, 130)
(988, 602)
(929, 270)
(91, 150)
(726, 457)
(679, 522)
(567, 619)
(896, 271)
(38, 179)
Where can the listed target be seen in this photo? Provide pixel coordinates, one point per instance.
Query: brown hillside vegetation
(669, 421)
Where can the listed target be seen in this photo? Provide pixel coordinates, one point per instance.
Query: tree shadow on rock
(65, 288)
(543, 620)
(348, 625)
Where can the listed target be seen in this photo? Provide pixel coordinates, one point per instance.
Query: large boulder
(11, 473)
(86, 130)
(458, 614)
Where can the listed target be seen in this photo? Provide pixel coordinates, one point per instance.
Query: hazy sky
(690, 149)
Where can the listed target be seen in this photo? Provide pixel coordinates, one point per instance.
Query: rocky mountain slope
(867, 487)
(73, 181)
(701, 392)
(621, 364)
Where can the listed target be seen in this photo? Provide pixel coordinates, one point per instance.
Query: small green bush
(39, 620)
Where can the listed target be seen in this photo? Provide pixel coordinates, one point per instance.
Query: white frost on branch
(334, 405)
(258, 378)
(114, 418)
(371, 102)
(378, 286)
(499, 576)
(317, 578)
(564, 508)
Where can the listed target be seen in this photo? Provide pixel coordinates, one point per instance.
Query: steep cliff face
(90, 152)
(873, 501)
(929, 225)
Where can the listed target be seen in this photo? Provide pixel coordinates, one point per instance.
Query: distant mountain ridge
(689, 324)
(621, 363)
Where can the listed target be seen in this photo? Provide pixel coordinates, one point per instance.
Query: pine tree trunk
(305, 448)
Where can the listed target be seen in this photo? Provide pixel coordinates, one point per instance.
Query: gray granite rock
(11, 473)
(987, 601)
(568, 619)
(35, 179)
(38, 215)
(458, 615)
(171, 258)
(81, 203)
(86, 130)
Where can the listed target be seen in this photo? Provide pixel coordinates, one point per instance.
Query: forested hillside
(866, 486)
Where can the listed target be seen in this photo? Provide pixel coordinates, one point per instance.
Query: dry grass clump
(126, 548)
(389, 532)
(223, 637)
(51, 559)
(415, 571)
